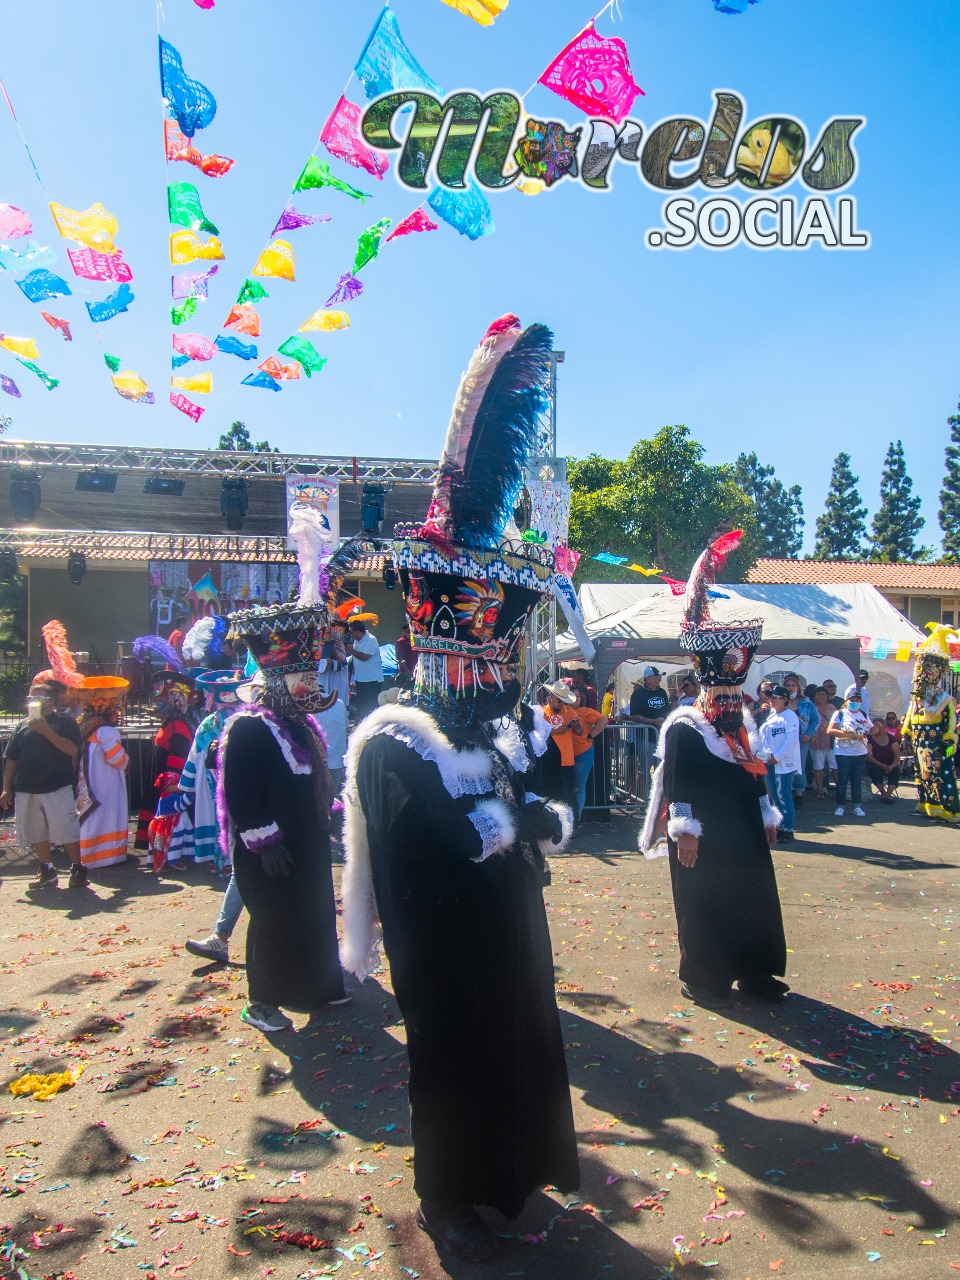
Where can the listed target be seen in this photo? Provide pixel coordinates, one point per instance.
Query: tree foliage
(658, 506)
(897, 521)
(779, 510)
(237, 440)
(950, 493)
(841, 529)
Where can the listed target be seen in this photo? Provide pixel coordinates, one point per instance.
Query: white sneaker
(861, 813)
(212, 948)
(838, 811)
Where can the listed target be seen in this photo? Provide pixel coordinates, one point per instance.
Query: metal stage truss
(212, 462)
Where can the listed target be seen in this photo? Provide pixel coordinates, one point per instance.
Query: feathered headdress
(706, 570)
(203, 643)
(162, 648)
(721, 652)
(469, 579)
(62, 666)
(499, 404)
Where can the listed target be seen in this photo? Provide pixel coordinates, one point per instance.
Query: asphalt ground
(817, 1137)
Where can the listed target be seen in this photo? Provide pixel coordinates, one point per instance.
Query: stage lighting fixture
(164, 486)
(96, 482)
(389, 577)
(372, 507)
(9, 569)
(233, 501)
(76, 567)
(24, 495)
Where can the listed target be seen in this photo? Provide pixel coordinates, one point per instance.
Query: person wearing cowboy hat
(561, 715)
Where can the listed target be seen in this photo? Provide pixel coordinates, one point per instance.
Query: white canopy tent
(810, 629)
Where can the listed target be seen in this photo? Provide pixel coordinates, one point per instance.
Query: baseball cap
(780, 691)
(651, 671)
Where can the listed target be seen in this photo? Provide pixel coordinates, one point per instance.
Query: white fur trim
(684, 827)
(463, 773)
(495, 826)
(359, 947)
(772, 817)
(565, 814)
(540, 733)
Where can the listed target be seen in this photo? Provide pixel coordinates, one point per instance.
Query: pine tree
(841, 528)
(779, 509)
(950, 493)
(898, 520)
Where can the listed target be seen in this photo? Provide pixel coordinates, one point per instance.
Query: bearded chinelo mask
(469, 580)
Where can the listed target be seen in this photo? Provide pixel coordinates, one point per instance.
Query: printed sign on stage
(320, 493)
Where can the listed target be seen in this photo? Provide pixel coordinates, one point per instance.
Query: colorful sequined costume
(931, 722)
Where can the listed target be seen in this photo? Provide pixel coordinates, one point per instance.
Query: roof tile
(887, 577)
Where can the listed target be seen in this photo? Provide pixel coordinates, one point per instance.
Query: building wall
(388, 605)
(109, 605)
(921, 609)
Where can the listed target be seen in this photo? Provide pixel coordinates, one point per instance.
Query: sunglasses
(726, 699)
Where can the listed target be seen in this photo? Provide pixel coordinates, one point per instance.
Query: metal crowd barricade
(623, 759)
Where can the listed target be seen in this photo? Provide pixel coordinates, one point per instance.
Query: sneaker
(785, 837)
(212, 948)
(45, 875)
(839, 811)
(79, 877)
(265, 1018)
(860, 813)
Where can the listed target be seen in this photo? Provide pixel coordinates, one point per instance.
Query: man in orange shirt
(591, 724)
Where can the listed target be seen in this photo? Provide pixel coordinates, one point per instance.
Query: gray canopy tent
(650, 629)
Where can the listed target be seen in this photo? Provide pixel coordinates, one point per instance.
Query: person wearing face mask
(274, 797)
(848, 731)
(709, 805)
(446, 837)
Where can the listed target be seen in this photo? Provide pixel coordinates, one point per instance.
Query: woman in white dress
(102, 803)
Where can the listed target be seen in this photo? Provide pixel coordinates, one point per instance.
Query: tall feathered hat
(470, 581)
(285, 638)
(933, 659)
(63, 668)
(721, 652)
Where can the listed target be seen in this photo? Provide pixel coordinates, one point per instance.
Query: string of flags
(880, 648)
(592, 72)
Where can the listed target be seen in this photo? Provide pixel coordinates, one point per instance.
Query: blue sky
(793, 354)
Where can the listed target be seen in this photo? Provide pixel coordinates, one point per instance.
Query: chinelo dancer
(710, 801)
(931, 724)
(444, 841)
(274, 798)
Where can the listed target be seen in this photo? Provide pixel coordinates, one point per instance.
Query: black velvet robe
(292, 955)
(472, 969)
(727, 904)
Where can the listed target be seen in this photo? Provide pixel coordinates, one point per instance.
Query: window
(946, 617)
